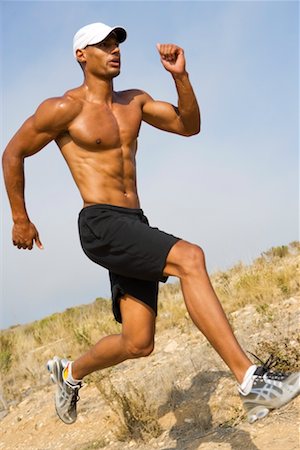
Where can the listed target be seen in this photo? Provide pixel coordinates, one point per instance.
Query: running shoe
(269, 390)
(66, 396)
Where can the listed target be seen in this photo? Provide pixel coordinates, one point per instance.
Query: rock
(167, 421)
(171, 347)
(187, 420)
(290, 301)
(38, 425)
(3, 414)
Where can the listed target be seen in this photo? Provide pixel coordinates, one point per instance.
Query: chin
(116, 73)
(111, 76)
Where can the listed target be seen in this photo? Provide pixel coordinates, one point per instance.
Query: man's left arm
(185, 118)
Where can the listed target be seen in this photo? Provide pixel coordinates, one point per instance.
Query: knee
(192, 260)
(139, 348)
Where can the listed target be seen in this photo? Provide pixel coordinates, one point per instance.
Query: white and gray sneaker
(66, 396)
(268, 390)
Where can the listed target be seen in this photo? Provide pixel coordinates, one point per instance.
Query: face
(102, 59)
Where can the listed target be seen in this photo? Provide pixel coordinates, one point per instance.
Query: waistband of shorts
(113, 208)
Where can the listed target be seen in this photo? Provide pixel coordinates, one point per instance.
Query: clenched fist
(172, 58)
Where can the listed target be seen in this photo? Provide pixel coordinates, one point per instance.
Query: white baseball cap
(94, 33)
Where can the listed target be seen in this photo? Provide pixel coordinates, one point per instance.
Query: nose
(116, 48)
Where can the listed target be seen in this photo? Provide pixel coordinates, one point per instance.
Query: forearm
(13, 170)
(188, 108)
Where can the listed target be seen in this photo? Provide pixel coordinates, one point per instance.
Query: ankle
(69, 375)
(240, 368)
(246, 384)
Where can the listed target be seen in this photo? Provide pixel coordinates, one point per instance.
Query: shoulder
(137, 95)
(58, 112)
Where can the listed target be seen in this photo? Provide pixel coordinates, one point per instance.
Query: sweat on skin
(96, 129)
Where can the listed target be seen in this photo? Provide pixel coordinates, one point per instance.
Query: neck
(98, 90)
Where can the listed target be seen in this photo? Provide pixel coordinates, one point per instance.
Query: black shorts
(122, 241)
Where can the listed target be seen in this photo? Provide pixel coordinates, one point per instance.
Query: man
(96, 129)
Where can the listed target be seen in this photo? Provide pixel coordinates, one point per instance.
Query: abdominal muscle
(105, 176)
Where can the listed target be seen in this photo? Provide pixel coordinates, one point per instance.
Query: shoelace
(266, 366)
(75, 397)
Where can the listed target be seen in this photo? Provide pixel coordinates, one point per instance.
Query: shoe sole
(53, 370)
(257, 413)
(49, 366)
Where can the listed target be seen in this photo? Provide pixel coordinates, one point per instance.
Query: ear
(80, 55)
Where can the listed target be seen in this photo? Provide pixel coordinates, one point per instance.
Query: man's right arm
(51, 118)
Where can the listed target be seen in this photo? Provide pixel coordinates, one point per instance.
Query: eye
(104, 45)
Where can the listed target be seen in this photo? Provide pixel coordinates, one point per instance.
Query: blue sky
(233, 189)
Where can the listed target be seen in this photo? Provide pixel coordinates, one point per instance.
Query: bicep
(29, 139)
(162, 115)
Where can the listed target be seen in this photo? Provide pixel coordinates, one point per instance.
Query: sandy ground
(183, 389)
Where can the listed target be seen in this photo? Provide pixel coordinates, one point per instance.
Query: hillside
(182, 396)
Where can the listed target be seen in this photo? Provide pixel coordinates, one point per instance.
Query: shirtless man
(96, 130)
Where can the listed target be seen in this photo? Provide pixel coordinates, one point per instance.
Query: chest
(101, 127)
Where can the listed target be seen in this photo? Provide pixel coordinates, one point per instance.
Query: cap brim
(120, 32)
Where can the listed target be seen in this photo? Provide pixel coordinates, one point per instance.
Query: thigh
(174, 258)
(143, 290)
(138, 321)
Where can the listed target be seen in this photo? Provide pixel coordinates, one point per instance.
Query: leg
(136, 340)
(187, 262)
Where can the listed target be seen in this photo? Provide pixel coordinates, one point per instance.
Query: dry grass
(25, 349)
(286, 352)
(273, 276)
(136, 418)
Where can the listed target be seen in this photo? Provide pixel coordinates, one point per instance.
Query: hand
(24, 234)
(172, 58)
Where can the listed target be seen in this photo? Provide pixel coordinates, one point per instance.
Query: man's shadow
(194, 424)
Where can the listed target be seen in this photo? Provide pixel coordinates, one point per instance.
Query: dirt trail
(184, 394)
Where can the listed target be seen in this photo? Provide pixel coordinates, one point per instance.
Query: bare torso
(96, 130)
(100, 146)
